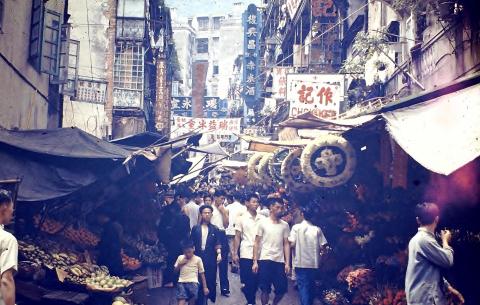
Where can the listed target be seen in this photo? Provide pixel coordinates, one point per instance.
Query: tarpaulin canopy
(310, 121)
(213, 149)
(442, 134)
(55, 162)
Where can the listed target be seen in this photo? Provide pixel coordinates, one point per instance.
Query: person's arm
(432, 251)
(218, 246)
(204, 284)
(292, 238)
(8, 287)
(256, 247)
(225, 214)
(286, 248)
(236, 246)
(181, 261)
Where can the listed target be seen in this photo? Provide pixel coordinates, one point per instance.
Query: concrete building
(30, 38)
(184, 39)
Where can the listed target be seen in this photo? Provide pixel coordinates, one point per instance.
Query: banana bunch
(64, 259)
(79, 273)
(34, 254)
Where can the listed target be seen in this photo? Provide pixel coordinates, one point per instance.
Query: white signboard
(320, 93)
(279, 83)
(292, 6)
(218, 127)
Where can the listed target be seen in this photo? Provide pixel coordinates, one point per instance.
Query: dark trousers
(305, 282)
(169, 274)
(223, 266)
(210, 264)
(249, 280)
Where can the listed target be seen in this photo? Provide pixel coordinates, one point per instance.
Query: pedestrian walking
(205, 237)
(191, 209)
(172, 229)
(273, 264)
(8, 251)
(191, 269)
(246, 230)
(308, 242)
(235, 210)
(220, 218)
(424, 283)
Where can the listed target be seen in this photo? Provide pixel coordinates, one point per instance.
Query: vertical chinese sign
(251, 59)
(326, 51)
(162, 102)
(279, 83)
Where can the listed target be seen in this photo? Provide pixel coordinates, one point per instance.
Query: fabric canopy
(310, 121)
(442, 134)
(213, 149)
(54, 163)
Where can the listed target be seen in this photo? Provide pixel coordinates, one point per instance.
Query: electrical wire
(89, 40)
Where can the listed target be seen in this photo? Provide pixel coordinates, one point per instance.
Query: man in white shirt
(220, 219)
(235, 210)
(8, 252)
(308, 243)
(246, 230)
(273, 263)
(192, 207)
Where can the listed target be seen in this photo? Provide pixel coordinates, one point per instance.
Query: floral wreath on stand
(329, 161)
(275, 165)
(252, 172)
(292, 173)
(265, 176)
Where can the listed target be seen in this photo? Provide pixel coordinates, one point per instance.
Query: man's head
(188, 248)
(207, 199)
(169, 197)
(427, 214)
(206, 212)
(276, 207)
(308, 214)
(198, 199)
(181, 199)
(219, 197)
(252, 202)
(6, 207)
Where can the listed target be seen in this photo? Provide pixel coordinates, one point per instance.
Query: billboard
(322, 94)
(251, 60)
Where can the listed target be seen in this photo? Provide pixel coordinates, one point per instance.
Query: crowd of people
(258, 237)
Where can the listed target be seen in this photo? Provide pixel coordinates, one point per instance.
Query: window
(62, 76)
(128, 76)
(131, 8)
(215, 42)
(130, 20)
(216, 23)
(214, 90)
(215, 68)
(202, 45)
(2, 9)
(44, 41)
(393, 31)
(70, 87)
(175, 86)
(203, 23)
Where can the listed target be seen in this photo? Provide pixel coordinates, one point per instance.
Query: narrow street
(166, 296)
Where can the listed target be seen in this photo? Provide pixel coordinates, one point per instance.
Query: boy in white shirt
(191, 268)
(8, 251)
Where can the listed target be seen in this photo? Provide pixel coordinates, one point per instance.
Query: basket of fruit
(106, 283)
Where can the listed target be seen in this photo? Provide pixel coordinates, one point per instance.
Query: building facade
(30, 42)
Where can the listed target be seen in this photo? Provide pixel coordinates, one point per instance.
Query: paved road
(167, 296)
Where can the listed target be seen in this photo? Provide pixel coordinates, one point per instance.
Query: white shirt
(234, 211)
(247, 225)
(192, 210)
(204, 236)
(273, 235)
(217, 218)
(265, 212)
(190, 271)
(307, 240)
(8, 254)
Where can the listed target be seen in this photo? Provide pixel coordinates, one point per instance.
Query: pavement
(166, 296)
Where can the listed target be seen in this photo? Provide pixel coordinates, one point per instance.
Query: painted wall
(22, 105)
(88, 117)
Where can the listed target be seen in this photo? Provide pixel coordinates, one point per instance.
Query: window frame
(203, 27)
(205, 42)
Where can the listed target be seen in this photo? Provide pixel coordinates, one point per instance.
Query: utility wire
(89, 40)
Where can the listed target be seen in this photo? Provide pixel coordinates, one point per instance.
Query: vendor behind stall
(109, 247)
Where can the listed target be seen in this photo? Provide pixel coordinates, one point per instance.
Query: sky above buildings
(187, 8)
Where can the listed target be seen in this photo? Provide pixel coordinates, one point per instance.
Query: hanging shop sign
(251, 60)
(228, 126)
(182, 105)
(322, 94)
(214, 107)
(329, 161)
(292, 173)
(279, 83)
(162, 100)
(293, 6)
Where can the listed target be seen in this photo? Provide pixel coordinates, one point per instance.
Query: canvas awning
(310, 121)
(442, 134)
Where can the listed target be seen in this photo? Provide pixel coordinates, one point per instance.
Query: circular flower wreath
(328, 161)
(275, 164)
(263, 169)
(292, 174)
(253, 174)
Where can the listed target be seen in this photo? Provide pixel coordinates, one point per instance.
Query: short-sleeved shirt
(217, 218)
(307, 240)
(273, 235)
(235, 210)
(192, 210)
(190, 271)
(8, 254)
(247, 225)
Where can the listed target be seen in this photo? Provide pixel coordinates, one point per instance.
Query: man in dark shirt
(109, 246)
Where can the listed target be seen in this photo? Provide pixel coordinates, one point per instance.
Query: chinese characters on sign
(251, 25)
(279, 84)
(214, 107)
(218, 127)
(162, 105)
(182, 105)
(320, 93)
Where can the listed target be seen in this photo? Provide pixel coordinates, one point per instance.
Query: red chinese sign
(184, 125)
(320, 93)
